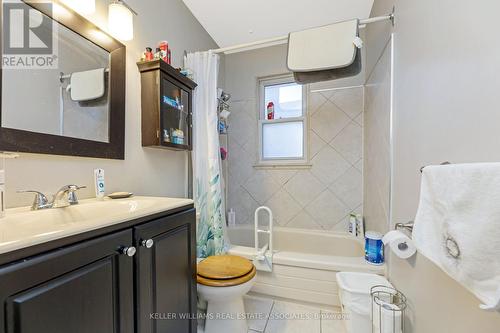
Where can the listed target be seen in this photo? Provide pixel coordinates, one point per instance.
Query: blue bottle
(374, 248)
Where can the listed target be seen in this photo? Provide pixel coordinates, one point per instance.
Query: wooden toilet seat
(225, 271)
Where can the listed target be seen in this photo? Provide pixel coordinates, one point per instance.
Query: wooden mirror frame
(16, 140)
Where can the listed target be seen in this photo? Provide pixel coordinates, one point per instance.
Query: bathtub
(305, 262)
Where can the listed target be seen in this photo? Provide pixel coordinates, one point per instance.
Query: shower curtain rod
(284, 39)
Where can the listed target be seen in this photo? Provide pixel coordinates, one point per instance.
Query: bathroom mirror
(63, 83)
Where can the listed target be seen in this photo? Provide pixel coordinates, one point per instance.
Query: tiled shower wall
(318, 197)
(377, 144)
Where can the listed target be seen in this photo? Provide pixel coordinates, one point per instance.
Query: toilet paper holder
(405, 226)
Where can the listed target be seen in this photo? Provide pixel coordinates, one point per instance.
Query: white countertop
(21, 227)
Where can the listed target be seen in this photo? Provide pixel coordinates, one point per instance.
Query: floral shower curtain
(208, 194)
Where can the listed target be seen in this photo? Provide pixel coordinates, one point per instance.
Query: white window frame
(283, 162)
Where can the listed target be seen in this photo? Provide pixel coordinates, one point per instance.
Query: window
(282, 122)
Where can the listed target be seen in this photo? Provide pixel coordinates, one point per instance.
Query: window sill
(281, 166)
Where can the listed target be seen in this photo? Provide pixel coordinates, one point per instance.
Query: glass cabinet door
(174, 115)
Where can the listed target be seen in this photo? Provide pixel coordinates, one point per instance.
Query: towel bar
(444, 163)
(63, 76)
(406, 226)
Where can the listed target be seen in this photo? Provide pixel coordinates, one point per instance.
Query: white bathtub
(305, 262)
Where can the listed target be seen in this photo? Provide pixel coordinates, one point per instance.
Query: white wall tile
(328, 121)
(242, 127)
(315, 101)
(261, 186)
(242, 203)
(328, 165)
(282, 176)
(304, 187)
(349, 100)
(250, 107)
(327, 210)
(360, 119)
(349, 188)
(303, 221)
(283, 206)
(349, 142)
(359, 165)
(240, 165)
(334, 149)
(315, 144)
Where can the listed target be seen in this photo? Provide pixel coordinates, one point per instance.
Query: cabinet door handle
(129, 251)
(147, 243)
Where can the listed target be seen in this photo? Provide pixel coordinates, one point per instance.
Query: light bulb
(120, 21)
(83, 7)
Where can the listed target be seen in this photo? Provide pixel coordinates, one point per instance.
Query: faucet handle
(72, 198)
(40, 201)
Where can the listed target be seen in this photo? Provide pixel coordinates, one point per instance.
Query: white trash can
(354, 293)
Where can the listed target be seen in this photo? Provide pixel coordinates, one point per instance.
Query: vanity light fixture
(83, 7)
(121, 20)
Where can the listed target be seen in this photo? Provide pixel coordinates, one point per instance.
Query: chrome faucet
(40, 202)
(65, 197)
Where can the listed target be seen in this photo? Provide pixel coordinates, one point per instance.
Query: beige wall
(319, 197)
(144, 171)
(445, 109)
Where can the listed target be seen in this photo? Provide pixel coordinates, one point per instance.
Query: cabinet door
(84, 288)
(175, 114)
(166, 274)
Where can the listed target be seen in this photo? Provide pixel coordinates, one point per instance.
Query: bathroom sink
(22, 227)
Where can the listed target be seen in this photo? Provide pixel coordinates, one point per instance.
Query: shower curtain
(208, 194)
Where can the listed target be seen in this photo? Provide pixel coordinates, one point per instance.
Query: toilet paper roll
(400, 244)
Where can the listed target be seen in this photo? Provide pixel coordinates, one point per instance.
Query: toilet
(222, 282)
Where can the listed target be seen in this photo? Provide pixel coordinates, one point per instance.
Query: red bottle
(148, 55)
(270, 111)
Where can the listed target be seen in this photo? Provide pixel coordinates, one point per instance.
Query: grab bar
(262, 231)
(261, 254)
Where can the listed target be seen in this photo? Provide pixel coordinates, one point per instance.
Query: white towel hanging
(458, 226)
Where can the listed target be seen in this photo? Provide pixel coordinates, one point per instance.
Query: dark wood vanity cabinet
(87, 287)
(166, 275)
(167, 106)
(97, 286)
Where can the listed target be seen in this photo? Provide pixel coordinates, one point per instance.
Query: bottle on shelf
(270, 111)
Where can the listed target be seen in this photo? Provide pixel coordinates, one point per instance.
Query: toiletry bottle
(231, 218)
(99, 183)
(270, 111)
(360, 226)
(164, 49)
(353, 230)
(374, 248)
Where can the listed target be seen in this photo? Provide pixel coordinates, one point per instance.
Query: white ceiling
(232, 22)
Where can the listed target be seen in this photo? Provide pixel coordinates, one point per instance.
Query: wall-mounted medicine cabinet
(166, 106)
